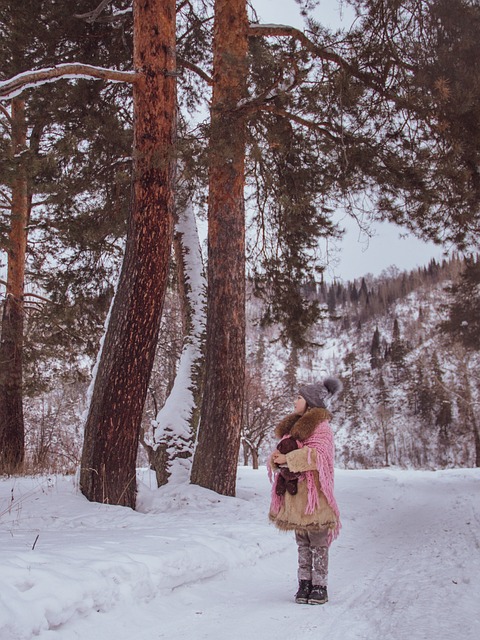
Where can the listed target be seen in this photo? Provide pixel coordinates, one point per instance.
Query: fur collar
(302, 427)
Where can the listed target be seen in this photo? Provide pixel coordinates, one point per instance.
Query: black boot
(318, 595)
(304, 588)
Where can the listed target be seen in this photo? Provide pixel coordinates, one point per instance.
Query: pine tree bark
(216, 455)
(12, 429)
(113, 423)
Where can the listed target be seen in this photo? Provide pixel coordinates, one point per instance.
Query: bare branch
(13, 87)
(196, 69)
(35, 295)
(6, 197)
(279, 30)
(309, 124)
(33, 307)
(91, 16)
(120, 16)
(38, 204)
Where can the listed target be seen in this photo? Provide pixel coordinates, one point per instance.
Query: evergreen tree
(443, 410)
(400, 177)
(433, 49)
(350, 362)
(383, 395)
(351, 408)
(317, 131)
(463, 323)
(383, 414)
(113, 423)
(332, 301)
(466, 405)
(375, 350)
(216, 455)
(58, 310)
(12, 432)
(363, 293)
(425, 400)
(353, 293)
(290, 374)
(398, 350)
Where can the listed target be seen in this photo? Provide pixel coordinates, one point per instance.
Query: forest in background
(404, 346)
(410, 387)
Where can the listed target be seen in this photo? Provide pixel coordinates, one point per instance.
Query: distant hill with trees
(408, 366)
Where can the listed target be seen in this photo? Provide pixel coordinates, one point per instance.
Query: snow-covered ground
(192, 564)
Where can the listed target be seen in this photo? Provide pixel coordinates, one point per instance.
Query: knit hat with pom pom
(320, 393)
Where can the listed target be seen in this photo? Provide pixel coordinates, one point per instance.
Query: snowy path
(406, 566)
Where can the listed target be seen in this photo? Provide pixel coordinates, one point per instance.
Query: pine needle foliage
(79, 159)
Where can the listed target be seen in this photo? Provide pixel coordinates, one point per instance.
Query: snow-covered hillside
(193, 564)
(410, 394)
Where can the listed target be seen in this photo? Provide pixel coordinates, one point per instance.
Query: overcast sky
(390, 245)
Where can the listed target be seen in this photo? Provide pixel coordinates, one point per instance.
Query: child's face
(300, 405)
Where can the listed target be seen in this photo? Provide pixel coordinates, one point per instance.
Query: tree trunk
(385, 445)
(216, 456)
(175, 426)
(114, 418)
(12, 432)
(246, 453)
(476, 439)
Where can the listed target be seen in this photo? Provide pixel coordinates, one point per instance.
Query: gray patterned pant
(313, 556)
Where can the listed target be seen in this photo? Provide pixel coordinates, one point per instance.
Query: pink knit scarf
(322, 441)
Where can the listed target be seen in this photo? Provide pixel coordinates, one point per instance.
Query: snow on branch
(6, 197)
(16, 85)
(91, 16)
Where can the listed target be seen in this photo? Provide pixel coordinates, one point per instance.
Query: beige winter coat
(292, 513)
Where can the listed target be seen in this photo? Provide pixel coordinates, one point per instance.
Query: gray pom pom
(333, 385)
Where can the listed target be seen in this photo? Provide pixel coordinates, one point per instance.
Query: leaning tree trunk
(11, 341)
(113, 423)
(217, 451)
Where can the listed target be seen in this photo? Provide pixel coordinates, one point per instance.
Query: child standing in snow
(309, 508)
